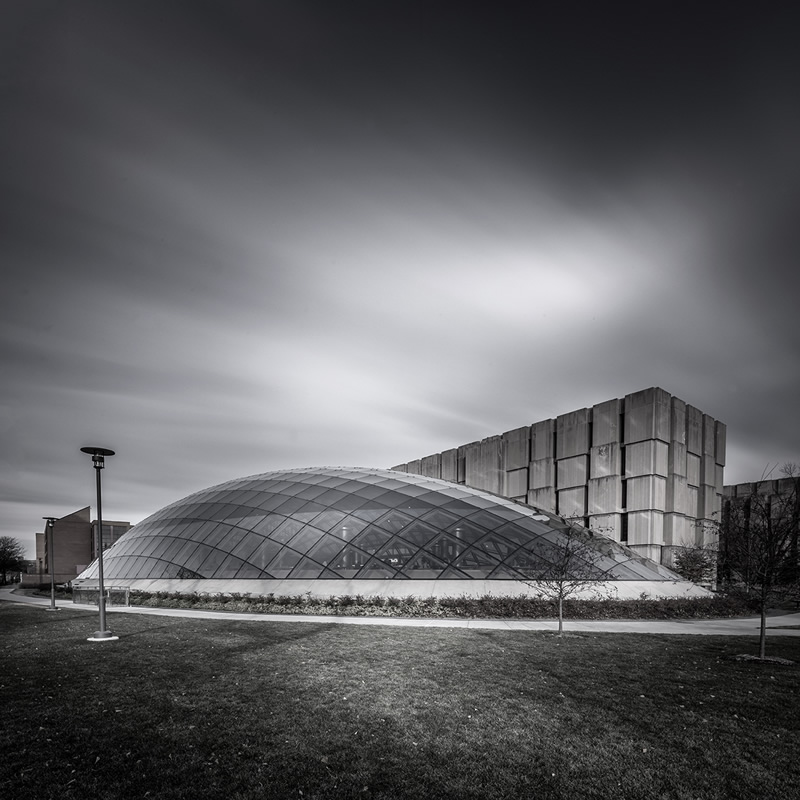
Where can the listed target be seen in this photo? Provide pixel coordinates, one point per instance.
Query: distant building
(645, 470)
(74, 546)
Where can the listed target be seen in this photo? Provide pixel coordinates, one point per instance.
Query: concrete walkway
(777, 624)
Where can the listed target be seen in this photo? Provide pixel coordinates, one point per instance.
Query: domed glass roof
(345, 523)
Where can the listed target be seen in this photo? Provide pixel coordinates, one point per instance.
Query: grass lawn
(181, 708)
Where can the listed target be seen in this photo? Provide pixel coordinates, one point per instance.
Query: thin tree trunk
(560, 615)
(762, 637)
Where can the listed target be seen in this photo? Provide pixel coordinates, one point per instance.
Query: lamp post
(51, 557)
(98, 455)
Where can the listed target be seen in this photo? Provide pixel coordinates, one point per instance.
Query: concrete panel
(515, 484)
(608, 525)
(450, 465)
(694, 430)
(606, 422)
(572, 472)
(708, 502)
(431, 466)
(414, 467)
(678, 530)
(647, 415)
(678, 495)
(605, 459)
(399, 468)
(651, 551)
(572, 434)
(572, 502)
(692, 469)
(708, 470)
(543, 498)
(483, 470)
(720, 445)
(677, 423)
(646, 458)
(676, 464)
(709, 435)
(605, 495)
(542, 473)
(543, 439)
(645, 527)
(692, 493)
(465, 452)
(647, 492)
(516, 449)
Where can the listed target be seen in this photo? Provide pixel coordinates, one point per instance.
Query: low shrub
(486, 607)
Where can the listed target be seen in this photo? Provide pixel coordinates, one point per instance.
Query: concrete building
(645, 469)
(74, 546)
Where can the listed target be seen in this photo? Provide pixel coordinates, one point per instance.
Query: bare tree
(560, 572)
(759, 541)
(12, 556)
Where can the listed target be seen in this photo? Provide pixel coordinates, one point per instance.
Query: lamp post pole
(51, 558)
(98, 455)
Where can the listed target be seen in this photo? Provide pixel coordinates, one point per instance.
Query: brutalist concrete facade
(645, 469)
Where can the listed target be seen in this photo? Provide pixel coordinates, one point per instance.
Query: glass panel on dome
(228, 568)
(211, 563)
(497, 546)
(371, 539)
(291, 505)
(369, 512)
(308, 511)
(282, 565)
(311, 492)
(330, 519)
(349, 561)
(476, 563)
(268, 524)
(460, 507)
(376, 570)
(513, 533)
(306, 569)
(286, 530)
(486, 520)
(465, 531)
(503, 573)
(451, 573)
(446, 547)
(271, 502)
(262, 554)
(251, 572)
(396, 553)
(419, 533)
(217, 535)
(347, 503)
(306, 539)
(325, 550)
(184, 551)
(394, 521)
(441, 519)
(197, 557)
(349, 528)
(330, 497)
(424, 566)
(369, 492)
(249, 544)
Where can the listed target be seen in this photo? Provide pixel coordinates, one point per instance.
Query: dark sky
(242, 236)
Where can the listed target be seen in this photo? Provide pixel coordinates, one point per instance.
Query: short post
(51, 558)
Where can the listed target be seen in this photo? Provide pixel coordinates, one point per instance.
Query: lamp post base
(53, 609)
(102, 636)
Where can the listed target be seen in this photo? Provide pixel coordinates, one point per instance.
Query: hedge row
(486, 607)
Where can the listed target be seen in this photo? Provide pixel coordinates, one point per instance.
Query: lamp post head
(98, 455)
(50, 521)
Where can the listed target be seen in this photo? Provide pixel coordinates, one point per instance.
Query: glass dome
(346, 523)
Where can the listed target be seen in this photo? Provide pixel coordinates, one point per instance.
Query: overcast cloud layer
(242, 236)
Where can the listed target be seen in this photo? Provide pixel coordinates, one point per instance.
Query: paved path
(777, 624)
